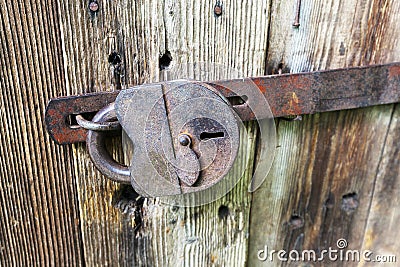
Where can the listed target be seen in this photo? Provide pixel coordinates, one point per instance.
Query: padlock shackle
(103, 161)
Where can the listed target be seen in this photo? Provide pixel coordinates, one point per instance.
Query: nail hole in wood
(218, 9)
(130, 203)
(93, 6)
(350, 202)
(296, 222)
(114, 58)
(165, 60)
(174, 208)
(223, 212)
(342, 49)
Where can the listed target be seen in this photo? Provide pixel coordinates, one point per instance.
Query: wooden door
(335, 175)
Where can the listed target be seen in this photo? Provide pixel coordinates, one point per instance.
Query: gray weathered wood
(329, 166)
(141, 32)
(381, 230)
(39, 213)
(335, 175)
(113, 48)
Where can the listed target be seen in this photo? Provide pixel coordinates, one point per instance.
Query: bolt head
(94, 6)
(217, 10)
(184, 139)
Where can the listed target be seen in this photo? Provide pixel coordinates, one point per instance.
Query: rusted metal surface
(184, 152)
(59, 109)
(143, 117)
(321, 91)
(198, 110)
(287, 94)
(185, 137)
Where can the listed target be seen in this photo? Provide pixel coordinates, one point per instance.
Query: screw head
(94, 6)
(218, 9)
(184, 139)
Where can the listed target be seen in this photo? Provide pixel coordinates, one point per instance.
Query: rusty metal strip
(59, 109)
(321, 91)
(287, 94)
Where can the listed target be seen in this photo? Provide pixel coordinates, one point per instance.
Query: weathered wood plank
(39, 212)
(215, 234)
(381, 231)
(115, 47)
(142, 32)
(321, 184)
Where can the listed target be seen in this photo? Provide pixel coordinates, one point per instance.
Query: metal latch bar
(287, 94)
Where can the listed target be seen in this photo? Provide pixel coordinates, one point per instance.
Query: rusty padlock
(182, 136)
(185, 139)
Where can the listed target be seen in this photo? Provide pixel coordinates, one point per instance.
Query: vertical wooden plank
(321, 184)
(381, 234)
(39, 213)
(215, 234)
(142, 32)
(115, 47)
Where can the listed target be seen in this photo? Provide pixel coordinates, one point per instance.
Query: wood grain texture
(381, 233)
(328, 166)
(110, 49)
(141, 32)
(336, 175)
(39, 216)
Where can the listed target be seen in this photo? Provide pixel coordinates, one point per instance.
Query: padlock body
(155, 116)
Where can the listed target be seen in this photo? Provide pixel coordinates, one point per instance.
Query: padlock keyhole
(210, 135)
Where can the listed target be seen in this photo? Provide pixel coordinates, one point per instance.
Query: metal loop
(95, 143)
(97, 126)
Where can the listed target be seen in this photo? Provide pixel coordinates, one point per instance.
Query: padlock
(185, 138)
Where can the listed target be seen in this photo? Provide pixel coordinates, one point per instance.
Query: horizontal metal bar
(287, 94)
(321, 91)
(59, 109)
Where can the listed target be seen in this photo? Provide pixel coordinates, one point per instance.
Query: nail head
(218, 9)
(184, 139)
(94, 6)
